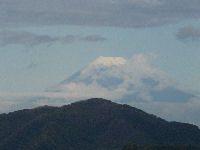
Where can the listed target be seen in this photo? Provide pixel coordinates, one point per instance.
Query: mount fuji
(126, 81)
(131, 81)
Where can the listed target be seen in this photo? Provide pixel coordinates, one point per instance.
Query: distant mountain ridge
(133, 146)
(87, 125)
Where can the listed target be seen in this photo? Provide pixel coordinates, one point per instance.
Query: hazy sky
(43, 42)
(35, 57)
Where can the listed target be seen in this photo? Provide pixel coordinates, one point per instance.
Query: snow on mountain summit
(128, 80)
(109, 61)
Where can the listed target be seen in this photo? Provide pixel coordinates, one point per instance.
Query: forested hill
(160, 147)
(94, 124)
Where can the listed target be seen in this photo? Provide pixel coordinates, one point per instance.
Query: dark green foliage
(160, 147)
(95, 124)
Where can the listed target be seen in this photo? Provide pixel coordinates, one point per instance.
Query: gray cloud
(68, 39)
(189, 33)
(126, 13)
(94, 38)
(8, 37)
(32, 65)
(24, 38)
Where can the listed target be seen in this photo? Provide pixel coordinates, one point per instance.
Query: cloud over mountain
(126, 13)
(132, 81)
(126, 80)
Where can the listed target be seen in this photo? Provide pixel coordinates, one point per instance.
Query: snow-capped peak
(109, 61)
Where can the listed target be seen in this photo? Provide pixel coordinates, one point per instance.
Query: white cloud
(134, 78)
(130, 71)
(111, 78)
(82, 91)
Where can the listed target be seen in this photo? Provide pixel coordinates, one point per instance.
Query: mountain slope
(160, 147)
(88, 125)
(123, 80)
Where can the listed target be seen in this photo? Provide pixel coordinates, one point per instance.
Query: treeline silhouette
(160, 147)
(94, 124)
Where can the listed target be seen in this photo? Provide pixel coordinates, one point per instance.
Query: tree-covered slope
(87, 125)
(160, 147)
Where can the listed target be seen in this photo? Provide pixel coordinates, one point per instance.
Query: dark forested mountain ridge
(87, 125)
(160, 147)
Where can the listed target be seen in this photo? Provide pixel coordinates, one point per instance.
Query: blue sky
(44, 42)
(34, 68)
